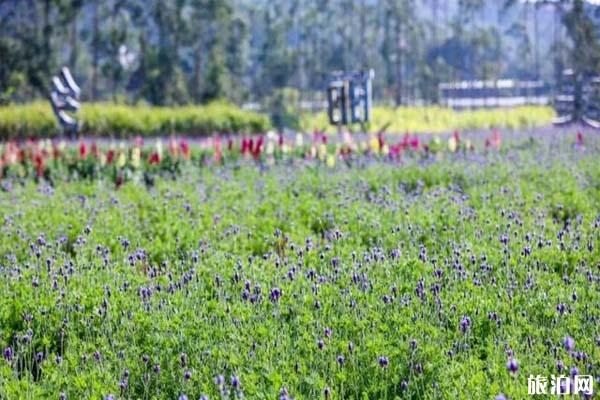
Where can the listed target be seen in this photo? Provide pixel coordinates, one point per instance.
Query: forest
(258, 51)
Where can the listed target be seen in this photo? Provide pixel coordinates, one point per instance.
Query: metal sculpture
(64, 98)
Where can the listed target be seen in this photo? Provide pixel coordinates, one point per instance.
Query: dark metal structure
(350, 97)
(64, 98)
(578, 100)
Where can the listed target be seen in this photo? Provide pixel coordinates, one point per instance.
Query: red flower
(257, 150)
(456, 136)
(381, 140)
(154, 158)
(494, 141)
(396, 150)
(185, 149)
(83, 151)
(38, 162)
(415, 143)
(110, 156)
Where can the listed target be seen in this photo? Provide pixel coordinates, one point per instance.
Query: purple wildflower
(275, 294)
(8, 354)
(235, 382)
(465, 324)
(512, 365)
(383, 362)
(569, 343)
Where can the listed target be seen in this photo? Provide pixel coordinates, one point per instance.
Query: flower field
(299, 267)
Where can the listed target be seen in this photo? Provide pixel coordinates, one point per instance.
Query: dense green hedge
(105, 119)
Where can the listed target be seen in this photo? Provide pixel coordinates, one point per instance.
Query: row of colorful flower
(38, 157)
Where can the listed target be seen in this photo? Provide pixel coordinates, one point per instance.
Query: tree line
(193, 51)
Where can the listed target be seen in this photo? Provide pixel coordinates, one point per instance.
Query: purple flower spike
(384, 362)
(8, 354)
(512, 365)
(235, 382)
(465, 324)
(569, 343)
(275, 295)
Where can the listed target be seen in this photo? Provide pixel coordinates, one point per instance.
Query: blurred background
(275, 56)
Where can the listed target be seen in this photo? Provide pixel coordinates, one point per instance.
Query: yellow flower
(374, 144)
(159, 148)
(121, 160)
(322, 151)
(330, 160)
(135, 157)
(385, 150)
(270, 147)
(452, 144)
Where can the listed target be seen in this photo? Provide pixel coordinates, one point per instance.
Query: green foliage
(379, 253)
(243, 50)
(283, 108)
(112, 120)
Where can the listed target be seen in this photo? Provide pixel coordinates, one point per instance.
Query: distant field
(111, 120)
(440, 119)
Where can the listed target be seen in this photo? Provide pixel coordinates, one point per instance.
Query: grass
(241, 271)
